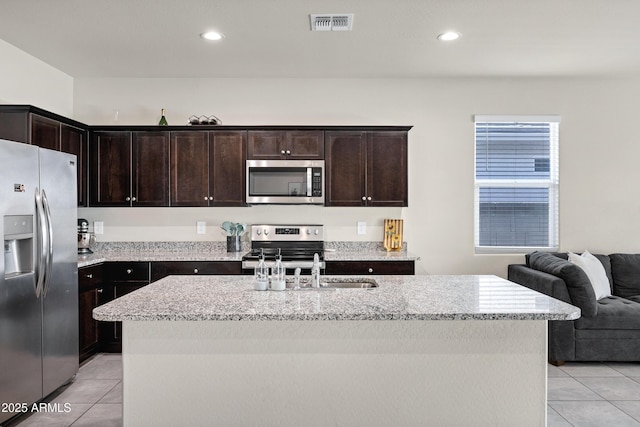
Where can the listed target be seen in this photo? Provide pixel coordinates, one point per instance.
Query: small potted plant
(234, 231)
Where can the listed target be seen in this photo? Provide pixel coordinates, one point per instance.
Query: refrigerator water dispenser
(18, 245)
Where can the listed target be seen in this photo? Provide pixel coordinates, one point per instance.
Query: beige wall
(599, 152)
(27, 80)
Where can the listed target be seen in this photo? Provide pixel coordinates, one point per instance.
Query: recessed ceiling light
(212, 35)
(449, 36)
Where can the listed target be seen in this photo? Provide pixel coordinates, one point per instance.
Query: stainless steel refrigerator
(38, 273)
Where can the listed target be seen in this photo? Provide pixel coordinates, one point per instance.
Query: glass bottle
(278, 275)
(261, 275)
(163, 120)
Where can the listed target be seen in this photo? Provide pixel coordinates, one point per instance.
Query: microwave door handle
(309, 181)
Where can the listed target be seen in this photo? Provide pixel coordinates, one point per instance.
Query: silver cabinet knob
(210, 197)
(195, 270)
(129, 271)
(100, 290)
(370, 270)
(288, 152)
(282, 152)
(369, 198)
(89, 276)
(128, 199)
(133, 199)
(364, 197)
(206, 198)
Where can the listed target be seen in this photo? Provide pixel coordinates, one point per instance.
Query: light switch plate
(201, 227)
(362, 227)
(98, 227)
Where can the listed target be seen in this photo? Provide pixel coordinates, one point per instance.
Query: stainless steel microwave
(285, 182)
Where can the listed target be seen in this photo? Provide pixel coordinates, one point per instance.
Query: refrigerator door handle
(48, 249)
(42, 236)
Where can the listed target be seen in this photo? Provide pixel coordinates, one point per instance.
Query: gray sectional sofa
(609, 328)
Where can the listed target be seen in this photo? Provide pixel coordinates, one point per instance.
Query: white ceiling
(272, 38)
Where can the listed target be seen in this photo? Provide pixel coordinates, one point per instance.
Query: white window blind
(516, 183)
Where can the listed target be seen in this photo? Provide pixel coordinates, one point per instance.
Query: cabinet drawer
(91, 276)
(167, 268)
(128, 271)
(370, 267)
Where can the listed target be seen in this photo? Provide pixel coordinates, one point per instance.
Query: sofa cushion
(625, 269)
(595, 272)
(604, 259)
(578, 285)
(613, 313)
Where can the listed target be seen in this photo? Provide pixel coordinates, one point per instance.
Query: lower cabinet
(160, 269)
(90, 295)
(121, 278)
(370, 267)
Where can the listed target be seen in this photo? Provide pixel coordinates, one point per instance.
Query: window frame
(552, 183)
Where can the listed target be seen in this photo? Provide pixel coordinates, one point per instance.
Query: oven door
(292, 182)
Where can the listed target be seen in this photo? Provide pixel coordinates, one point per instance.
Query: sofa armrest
(540, 281)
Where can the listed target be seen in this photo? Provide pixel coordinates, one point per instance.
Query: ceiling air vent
(332, 22)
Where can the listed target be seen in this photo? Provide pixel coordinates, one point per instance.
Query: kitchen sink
(338, 284)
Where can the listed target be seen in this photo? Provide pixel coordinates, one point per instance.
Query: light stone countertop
(223, 298)
(216, 251)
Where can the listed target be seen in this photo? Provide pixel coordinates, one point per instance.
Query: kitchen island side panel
(335, 373)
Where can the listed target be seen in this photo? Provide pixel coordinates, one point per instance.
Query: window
(516, 183)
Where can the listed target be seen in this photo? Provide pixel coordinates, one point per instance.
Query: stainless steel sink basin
(338, 284)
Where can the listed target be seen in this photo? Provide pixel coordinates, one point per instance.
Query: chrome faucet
(315, 272)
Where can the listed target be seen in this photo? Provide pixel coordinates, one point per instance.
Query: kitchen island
(417, 350)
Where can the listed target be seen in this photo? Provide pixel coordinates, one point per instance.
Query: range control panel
(314, 232)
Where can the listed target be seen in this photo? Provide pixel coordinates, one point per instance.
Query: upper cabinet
(286, 145)
(366, 168)
(129, 168)
(207, 168)
(31, 125)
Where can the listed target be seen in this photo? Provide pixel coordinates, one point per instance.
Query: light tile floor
(593, 394)
(579, 394)
(94, 398)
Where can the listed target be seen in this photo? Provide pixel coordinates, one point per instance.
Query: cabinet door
(387, 169)
(110, 182)
(266, 145)
(150, 171)
(304, 145)
(190, 168)
(45, 133)
(88, 327)
(345, 168)
(228, 153)
(74, 141)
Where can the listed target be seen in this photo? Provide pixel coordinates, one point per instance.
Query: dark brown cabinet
(161, 269)
(207, 168)
(129, 168)
(370, 267)
(121, 279)
(90, 295)
(366, 168)
(283, 145)
(31, 125)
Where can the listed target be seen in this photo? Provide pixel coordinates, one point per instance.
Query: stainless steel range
(296, 243)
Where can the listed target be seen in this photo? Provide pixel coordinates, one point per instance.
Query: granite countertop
(220, 298)
(216, 251)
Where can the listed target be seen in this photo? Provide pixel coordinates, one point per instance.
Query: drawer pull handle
(89, 276)
(195, 270)
(370, 270)
(100, 290)
(129, 271)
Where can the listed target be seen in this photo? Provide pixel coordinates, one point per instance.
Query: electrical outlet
(362, 227)
(98, 227)
(201, 227)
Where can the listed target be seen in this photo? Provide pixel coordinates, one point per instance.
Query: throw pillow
(578, 285)
(595, 272)
(625, 269)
